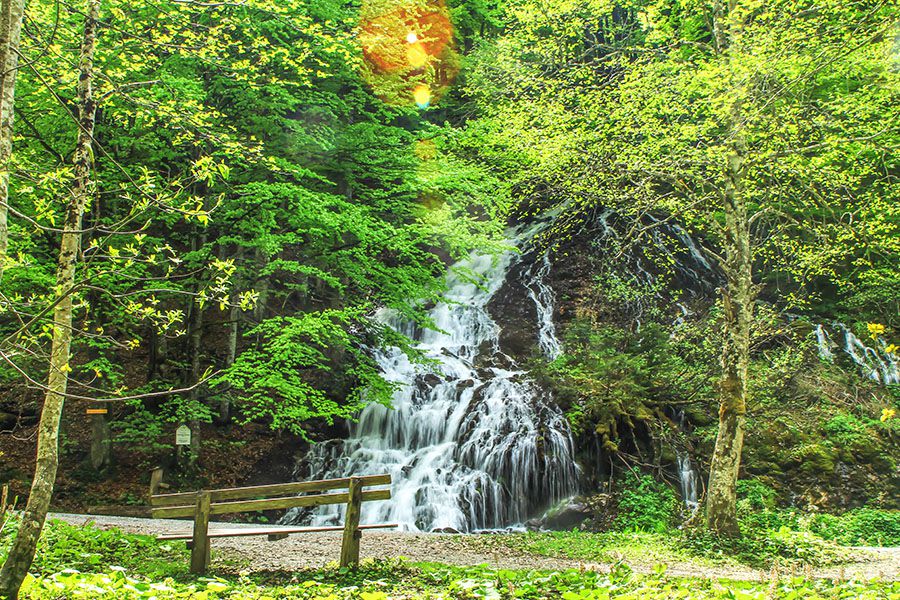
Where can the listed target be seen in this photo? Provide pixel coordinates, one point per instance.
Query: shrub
(860, 527)
(646, 505)
(761, 548)
(88, 548)
(755, 495)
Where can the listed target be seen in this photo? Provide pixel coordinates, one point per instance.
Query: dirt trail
(314, 550)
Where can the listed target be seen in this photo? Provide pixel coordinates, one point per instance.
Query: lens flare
(408, 50)
(416, 55)
(422, 95)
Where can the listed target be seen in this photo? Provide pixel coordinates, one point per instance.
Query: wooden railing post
(200, 549)
(350, 544)
(4, 496)
(156, 476)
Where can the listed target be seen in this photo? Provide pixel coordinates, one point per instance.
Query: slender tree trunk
(262, 287)
(196, 338)
(738, 296)
(737, 303)
(195, 346)
(234, 322)
(22, 553)
(11, 12)
(101, 442)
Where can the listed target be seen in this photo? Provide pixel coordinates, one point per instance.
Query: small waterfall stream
(471, 443)
(873, 362)
(542, 296)
(688, 480)
(688, 477)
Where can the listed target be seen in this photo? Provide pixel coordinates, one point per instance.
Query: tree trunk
(737, 303)
(11, 12)
(262, 287)
(22, 553)
(101, 442)
(195, 346)
(196, 338)
(234, 322)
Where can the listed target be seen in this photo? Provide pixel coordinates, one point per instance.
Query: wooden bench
(205, 503)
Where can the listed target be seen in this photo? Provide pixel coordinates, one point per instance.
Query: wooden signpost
(183, 436)
(182, 440)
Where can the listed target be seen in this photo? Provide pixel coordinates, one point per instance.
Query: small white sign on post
(183, 436)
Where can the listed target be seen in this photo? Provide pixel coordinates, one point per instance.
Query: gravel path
(314, 550)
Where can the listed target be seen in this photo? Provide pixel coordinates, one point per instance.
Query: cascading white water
(873, 362)
(688, 478)
(470, 442)
(688, 481)
(542, 295)
(824, 343)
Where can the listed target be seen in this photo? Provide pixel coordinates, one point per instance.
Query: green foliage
(760, 548)
(435, 582)
(249, 178)
(89, 548)
(846, 430)
(610, 377)
(293, 351)
(755, 495)
(859, 527)
(634, 107)
(87, 562)
(646, 505)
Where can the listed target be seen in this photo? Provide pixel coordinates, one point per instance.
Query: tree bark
(262, 287)
(737, 304)
(22, 553)
(234, 328)
(101, 442)
(195, 345)
(11, 13)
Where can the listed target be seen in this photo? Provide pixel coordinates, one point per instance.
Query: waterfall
(824, 343)
(542, 295)
(688, 478)
(874, 362)
(470, 442)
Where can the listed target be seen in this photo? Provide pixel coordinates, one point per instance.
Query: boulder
(431, 380)
(444, 530)
(567, 515)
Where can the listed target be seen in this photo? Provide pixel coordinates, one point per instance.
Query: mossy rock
(814, 459)
(770, 471)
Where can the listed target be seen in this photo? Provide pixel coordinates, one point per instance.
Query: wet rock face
(515, 315)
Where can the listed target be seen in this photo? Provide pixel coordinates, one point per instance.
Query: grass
(400, 581)
(606, 547)
(760, 550)
(86, 562)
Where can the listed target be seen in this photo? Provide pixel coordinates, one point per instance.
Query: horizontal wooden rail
(224, 533)
(223, 508)
(259, 491)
